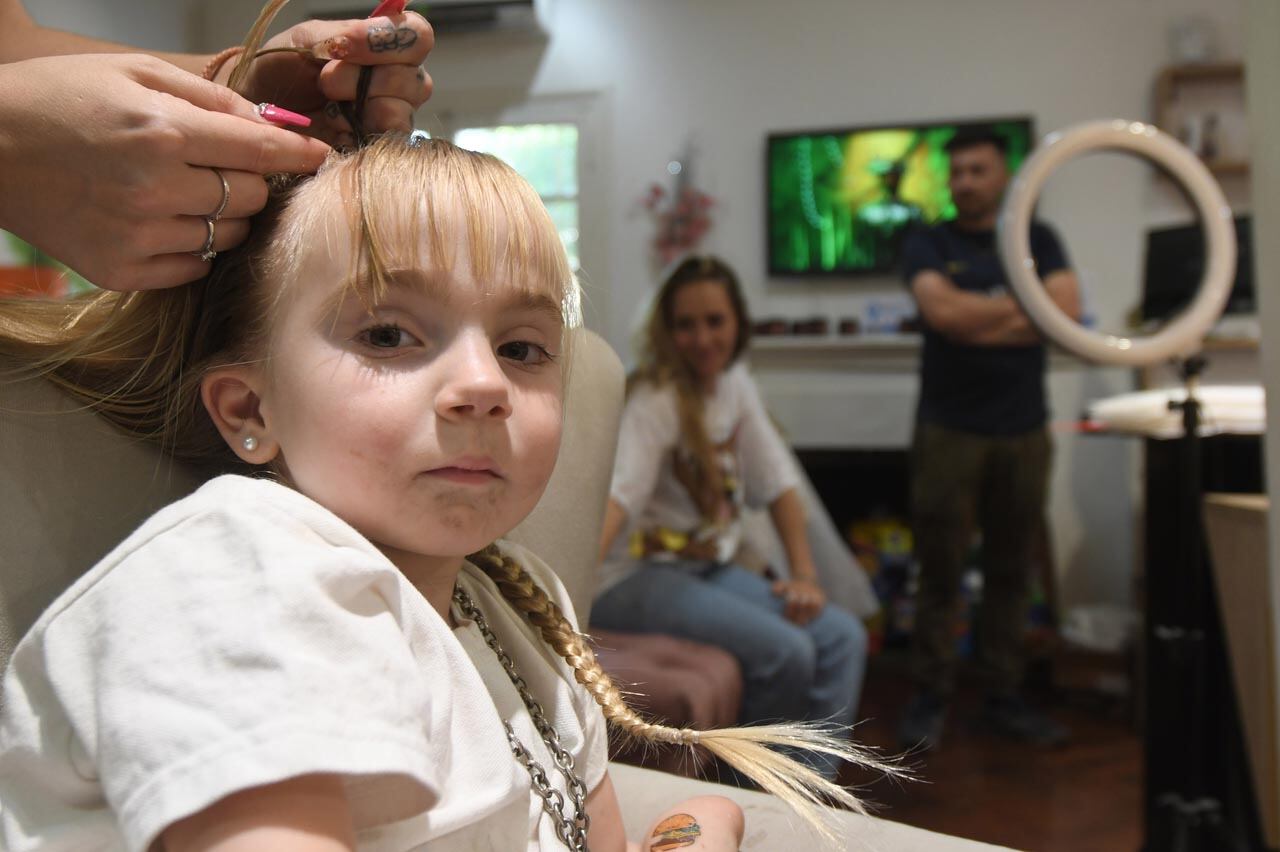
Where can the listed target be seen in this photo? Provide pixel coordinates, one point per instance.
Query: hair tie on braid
(750, 750)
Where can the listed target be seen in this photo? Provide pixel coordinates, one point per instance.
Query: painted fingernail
(337, 47)
(388, 7)
(280, 115)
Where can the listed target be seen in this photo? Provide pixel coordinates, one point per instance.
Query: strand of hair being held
(754, 751)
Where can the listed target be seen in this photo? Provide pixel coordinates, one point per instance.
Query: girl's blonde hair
(138, 359)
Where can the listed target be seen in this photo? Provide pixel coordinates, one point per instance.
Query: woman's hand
(393, 47)
(105, 164)
(106, 159)
(804, 599)
(802, 594)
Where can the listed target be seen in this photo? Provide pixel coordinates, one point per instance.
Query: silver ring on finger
(226, 196)
(206, 252)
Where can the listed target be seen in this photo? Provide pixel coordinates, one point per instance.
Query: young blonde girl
(326, 646)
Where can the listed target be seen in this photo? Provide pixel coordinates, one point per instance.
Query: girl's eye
(524, 352)
(386, 337)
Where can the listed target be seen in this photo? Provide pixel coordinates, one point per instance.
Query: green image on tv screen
(841, 201)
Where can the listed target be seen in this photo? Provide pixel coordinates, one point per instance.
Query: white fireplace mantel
(852, 392)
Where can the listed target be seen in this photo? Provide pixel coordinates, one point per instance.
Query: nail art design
(282, 116)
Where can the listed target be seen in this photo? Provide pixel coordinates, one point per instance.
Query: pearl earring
(250, 443)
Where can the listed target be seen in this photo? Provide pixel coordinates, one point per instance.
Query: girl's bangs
(407, 196)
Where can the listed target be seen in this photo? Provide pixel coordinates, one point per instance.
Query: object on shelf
(810, 326)
(1191, 132)
(1209, 148)
(849, 326)
(1202, 104)
(910, 325)
(1191, 39)
(885, 314)
(771, 327)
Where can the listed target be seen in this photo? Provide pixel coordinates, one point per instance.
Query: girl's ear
(231, 396)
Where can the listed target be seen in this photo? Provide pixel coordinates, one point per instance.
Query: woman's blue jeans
(790, 672)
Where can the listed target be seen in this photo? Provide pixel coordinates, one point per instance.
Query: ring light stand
(1180, 811)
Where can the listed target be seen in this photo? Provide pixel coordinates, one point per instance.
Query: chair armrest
(771, 825)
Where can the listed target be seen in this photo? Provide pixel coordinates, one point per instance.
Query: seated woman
(695, 447)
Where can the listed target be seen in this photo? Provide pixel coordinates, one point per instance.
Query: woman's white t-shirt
(646, 483)
(246, 635)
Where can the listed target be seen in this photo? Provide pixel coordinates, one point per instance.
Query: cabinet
(1202, 104)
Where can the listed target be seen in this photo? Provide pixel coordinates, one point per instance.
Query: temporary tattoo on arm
(384, 38)
(675, 832)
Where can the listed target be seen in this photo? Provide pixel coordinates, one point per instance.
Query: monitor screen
(840, 201)
(1175, 263)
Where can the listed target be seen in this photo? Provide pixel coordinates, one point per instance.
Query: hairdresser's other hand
(105, 165)
(803, 597)
(394, 47)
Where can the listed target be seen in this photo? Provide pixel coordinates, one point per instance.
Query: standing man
(981, 452)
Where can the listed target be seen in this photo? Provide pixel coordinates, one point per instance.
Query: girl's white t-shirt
(645, 479)
(246, 635)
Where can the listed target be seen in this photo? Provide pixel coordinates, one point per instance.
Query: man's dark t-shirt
(989, 390)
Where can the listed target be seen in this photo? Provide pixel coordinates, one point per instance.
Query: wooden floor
(1085, 795)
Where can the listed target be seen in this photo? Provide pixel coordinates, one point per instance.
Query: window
(546, 155)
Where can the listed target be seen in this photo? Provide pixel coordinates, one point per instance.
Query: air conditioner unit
(447, 17)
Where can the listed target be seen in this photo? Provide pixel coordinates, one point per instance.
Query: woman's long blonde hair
(661, 364)
(138, 359)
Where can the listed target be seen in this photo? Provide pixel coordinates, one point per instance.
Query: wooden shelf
(1222, 82)
(1197, 71)
(1228, 167)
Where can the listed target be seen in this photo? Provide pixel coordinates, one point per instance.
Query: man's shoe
(920, 728)
(1012, 717)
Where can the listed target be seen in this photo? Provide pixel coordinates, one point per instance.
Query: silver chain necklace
(572, 831)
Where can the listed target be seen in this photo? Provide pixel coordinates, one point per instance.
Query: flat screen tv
(1175, 263)
(840, 201)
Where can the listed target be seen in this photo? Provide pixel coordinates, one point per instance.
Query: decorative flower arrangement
(682, 217)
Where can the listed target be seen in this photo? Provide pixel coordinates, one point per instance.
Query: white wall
(724, 73)
(150, 24)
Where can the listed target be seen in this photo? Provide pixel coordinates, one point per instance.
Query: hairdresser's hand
(394, 47)
(104, 164)
(803, 597)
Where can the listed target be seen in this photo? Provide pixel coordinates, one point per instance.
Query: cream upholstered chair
(71, 487)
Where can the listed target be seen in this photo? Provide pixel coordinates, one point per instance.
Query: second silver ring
(226, 196)
(206, 252)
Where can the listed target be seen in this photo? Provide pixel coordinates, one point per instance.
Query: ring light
(1182, 336)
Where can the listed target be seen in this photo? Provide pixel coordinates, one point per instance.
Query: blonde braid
(746, 749)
